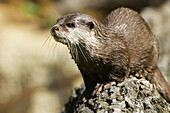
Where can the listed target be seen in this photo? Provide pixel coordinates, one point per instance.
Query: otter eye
(70, 25)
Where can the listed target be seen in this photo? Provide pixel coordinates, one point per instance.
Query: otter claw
(103, 87)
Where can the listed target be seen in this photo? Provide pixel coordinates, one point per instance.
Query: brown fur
(122, 45)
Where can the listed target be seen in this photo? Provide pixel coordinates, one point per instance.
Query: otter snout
(54, 29)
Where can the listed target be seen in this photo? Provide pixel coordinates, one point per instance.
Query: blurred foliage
(41, 12)
(30, 9)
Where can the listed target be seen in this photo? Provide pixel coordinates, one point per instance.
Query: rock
(132, 95)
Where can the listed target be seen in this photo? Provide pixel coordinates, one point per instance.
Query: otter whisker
(50, 42)
(89, 56)
(75, 51)
(46, 40)
(51, 49)
(54, 50)
(71, 48)
(84, 46)
(82, 53)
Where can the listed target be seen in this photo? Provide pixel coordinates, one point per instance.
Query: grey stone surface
(131, 96)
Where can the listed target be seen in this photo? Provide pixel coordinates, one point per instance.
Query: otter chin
(122, 45)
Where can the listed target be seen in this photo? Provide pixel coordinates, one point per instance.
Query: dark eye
(70, 25)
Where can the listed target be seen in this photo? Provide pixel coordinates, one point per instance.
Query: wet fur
(122, 45)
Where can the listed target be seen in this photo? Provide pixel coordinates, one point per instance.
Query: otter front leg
(90, 86)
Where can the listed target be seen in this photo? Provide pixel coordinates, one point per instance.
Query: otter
(121, 46)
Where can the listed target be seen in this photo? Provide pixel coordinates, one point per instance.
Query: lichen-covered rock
(132, 95)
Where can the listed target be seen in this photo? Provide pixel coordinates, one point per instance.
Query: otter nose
(55, 28)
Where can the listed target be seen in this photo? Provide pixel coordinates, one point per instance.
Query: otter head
(76, 30)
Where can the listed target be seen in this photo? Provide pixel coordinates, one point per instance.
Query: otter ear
(90, 25)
